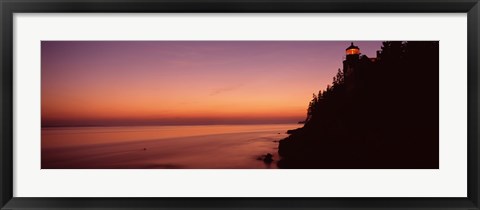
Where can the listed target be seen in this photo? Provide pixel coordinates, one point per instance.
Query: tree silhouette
(386, 118)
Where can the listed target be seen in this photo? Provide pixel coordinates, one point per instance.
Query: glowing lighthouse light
(353, 50)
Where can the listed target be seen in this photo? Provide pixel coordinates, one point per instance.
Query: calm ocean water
(145, 147)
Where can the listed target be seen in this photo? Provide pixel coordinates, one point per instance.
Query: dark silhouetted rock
(378, 113)
(268, 158)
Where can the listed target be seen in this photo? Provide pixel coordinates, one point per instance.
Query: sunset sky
(185, 82)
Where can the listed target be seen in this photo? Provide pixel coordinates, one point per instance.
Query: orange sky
(184, 82)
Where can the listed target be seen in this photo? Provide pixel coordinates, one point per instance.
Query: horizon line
(166, 124)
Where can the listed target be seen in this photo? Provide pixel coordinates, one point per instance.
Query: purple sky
(188, 81)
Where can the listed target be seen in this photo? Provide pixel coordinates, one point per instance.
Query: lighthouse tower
(351, 61)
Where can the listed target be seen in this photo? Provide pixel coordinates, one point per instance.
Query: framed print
(239, 104)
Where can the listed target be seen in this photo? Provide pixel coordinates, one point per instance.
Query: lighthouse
(351, 61)
(353, 52)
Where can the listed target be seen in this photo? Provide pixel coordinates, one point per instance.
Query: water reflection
(206, 146)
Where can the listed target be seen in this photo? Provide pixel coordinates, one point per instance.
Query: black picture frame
(9, 7)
